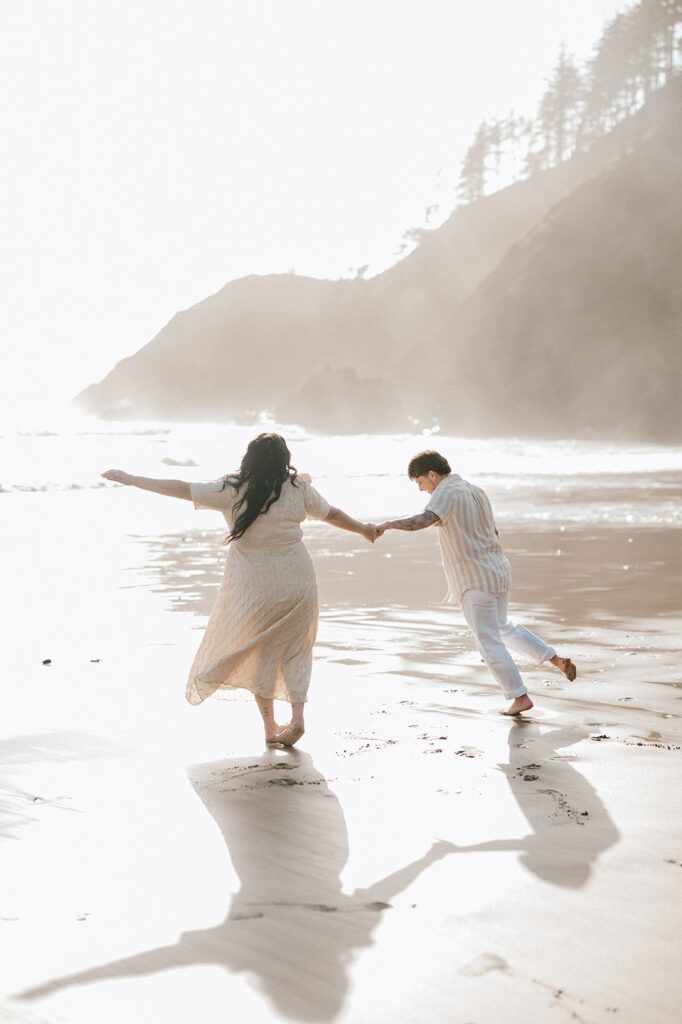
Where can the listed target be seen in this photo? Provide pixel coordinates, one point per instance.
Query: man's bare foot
(290, 734)
(518, 705)
(566, 666)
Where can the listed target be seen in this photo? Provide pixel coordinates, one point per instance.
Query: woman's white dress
(261, 631)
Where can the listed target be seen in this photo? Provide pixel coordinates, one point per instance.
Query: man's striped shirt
(473, 557)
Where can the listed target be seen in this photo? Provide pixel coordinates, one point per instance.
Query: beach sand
(418, 858)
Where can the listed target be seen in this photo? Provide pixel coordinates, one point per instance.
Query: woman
(263, 626)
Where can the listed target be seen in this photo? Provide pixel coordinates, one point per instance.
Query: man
(478, 573)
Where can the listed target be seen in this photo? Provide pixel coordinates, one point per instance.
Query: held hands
(442, 847)
(372, 532)
(117, 476)
(369, 532)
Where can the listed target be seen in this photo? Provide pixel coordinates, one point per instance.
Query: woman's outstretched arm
(171, 488)
(335, 517)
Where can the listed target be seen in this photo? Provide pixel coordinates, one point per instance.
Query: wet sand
(419, 858)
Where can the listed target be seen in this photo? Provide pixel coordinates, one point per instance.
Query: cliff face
(267, 343)
(239, 351)
(578, 330)
(546, 308)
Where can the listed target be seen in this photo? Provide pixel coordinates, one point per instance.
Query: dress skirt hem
(260, 634)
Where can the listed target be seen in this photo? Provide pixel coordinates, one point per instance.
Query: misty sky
(154, 150)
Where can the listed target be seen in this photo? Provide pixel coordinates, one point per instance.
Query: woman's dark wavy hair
(264, 468)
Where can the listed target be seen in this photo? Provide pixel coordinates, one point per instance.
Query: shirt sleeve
(440, 503)
(316, 506)
(215, 494)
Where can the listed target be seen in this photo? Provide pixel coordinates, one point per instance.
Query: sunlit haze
(155, 151)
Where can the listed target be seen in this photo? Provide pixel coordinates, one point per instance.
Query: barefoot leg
(518, 705)
(566, 666)
(292, 732)
(266, 708)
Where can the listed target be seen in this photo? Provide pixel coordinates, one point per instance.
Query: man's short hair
(422, 464)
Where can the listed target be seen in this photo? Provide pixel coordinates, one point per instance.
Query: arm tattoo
(419, 522)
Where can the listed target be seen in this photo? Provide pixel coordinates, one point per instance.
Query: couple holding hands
(262, 629)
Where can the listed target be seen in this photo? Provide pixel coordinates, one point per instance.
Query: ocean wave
(49, 487)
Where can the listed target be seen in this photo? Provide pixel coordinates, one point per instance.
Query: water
(113, 583)
(529, 482)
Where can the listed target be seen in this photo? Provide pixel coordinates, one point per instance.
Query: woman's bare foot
(290, 734)
(518, 705)
(566, 666)
(266, 707)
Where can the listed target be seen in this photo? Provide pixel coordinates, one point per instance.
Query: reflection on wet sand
(290, 925)
(576, 572)
(572, 581)
(187, 567)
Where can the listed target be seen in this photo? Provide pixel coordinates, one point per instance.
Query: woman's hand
(337, 517)
(118, 476)
(370, 532)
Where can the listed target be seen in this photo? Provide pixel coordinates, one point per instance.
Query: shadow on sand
(289, 926)
(570, 827)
